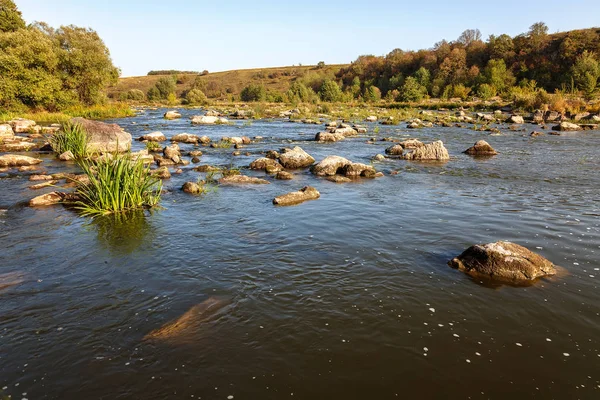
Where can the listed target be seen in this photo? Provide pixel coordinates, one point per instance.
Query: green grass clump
(117, 184)
(73, 138)
(153, 146)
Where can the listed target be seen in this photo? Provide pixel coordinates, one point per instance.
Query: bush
(196, 97)
(254, 92)
(166, 86)
(153, 94)
(321, 65)
(412, 90)
(73, 138)
(117, 184)
(486, 91)
(330, 91)
(372, 94)
(132, 95)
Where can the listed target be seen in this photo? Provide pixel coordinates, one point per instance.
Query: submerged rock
(11, 279)
(536, 134)
(284, 176)
(103, 137)
(14, 160)
(430, 152)
(503, 261)
(304, 194)
(242, 180)
(296, 158)
(338, 179)
(481, 148)
(47, 199)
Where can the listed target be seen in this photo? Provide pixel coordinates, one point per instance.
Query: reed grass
(72, 137)
(117, 184)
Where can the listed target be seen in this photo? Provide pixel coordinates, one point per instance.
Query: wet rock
(103, 137)
(6, 131)
(267, 164)
(34, 178)
(536, 134)
(371, 118)
(208, 120)
(236, 153)
(21, 125)
(15, 145)
(162, 173)
(172, 153)
(66, 156)
(11, 279)
(411, 144)
(172, 115)
(284, 176)
(430, 152)
(191, 187)
(296, 158)
(185, 138)
(395, 150)
(325, 137)
(338, 179)
(47, 199)
(304, 194)
(272, 154)
(195, 160)
(43, 185)
(504, 261)
(14, 160)
(206, 168)
(515, 119)
(481, 148)
(153, 137)
(379, 157)
(212, 113)
(356, 170)
(330, 165)
(566, 126)
(195, 153)
(360, 128)
(242, 180)
(485, 117)
(204, 140)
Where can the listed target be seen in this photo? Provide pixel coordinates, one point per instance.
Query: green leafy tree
(486, 91)
(423, 76)
(166, 86)
(372, 94)
(254, 92)
(497, 75)
(330, 91)
(196, 96)
(10, 17)
(586, 74)
(153, 94)
(412, 90)
(298, 92)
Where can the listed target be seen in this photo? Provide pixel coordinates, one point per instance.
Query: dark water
(346, 297)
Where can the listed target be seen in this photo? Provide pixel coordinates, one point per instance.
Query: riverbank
(98, 112)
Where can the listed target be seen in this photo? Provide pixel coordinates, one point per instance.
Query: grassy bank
(107, 111)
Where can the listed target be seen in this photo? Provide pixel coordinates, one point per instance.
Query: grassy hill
(221, 85)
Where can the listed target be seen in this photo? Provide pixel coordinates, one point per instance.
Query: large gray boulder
(103, 137)
(430, 152)
(330, 165)
(504, 261)
(296, 158)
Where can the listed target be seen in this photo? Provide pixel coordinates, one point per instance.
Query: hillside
(226, 83)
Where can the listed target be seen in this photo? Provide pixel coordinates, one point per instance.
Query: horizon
(147, 35)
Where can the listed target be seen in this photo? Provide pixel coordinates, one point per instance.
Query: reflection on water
(346, 297)
(123, 232)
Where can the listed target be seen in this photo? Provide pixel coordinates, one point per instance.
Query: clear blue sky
(143, 35)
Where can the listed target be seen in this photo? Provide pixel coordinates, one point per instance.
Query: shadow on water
(123, 233)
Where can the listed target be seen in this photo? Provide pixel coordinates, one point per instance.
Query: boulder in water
(296, 158)
(430, 152)
(304, 194)
(481, 148)
(103, 137)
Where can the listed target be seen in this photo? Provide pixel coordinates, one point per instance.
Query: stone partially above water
(481, 148)
(172, 115)
(566, 127)
(304, 194)
(296, 158)
(267, 164)
(208, 120)
(242, 180)
(6, 131)
(103, 137)
(395, 150)
(153, 137)
(503, 261)
(430, 152)
(14, 160)
(330, 165)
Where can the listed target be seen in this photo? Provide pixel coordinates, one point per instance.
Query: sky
(145, 35)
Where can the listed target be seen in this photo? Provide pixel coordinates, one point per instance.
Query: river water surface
(345, 297)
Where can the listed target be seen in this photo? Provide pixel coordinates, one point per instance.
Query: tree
(372, 94)
(538, 35)
(501, 47)
(497, 75)
(10, 17)
(586, 74)
(321, 65)
(423, 76)
(412, 90)
(298, 92)
(196, 96)
(86, 66)
(469, 36)
(166, 86)
(330, 91)
(254, 92)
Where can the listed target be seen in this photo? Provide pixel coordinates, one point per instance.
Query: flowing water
(345, 297)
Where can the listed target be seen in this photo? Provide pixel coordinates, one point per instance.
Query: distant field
(223, 84)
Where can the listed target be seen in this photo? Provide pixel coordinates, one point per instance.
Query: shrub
(117, 184)
(330, 91)
(321, 65)
(196, 96)
(254, 92)
(153, 94)
(165, 86)
(486, 91)
(133, 95)
(372, 94)
(412, 90)
(73, 138)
